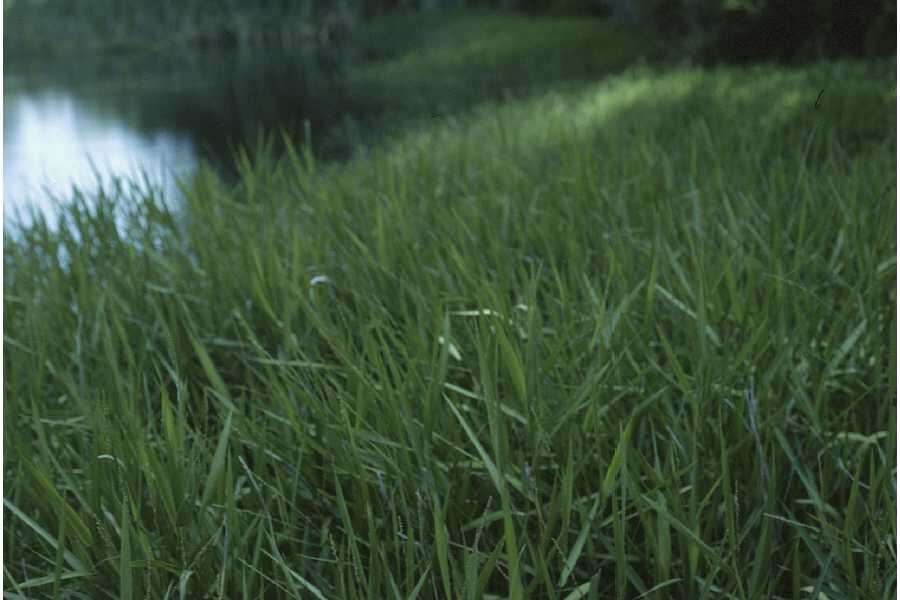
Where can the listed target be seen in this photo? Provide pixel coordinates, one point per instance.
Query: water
(54, 139)
(84, 125)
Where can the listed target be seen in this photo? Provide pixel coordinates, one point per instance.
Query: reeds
(504, 355)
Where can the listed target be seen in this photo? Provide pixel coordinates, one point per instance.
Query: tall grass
(634, 339)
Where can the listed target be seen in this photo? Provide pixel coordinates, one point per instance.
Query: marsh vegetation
(580, 331)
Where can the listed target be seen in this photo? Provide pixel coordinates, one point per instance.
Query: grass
(624, 339)
(413, 70)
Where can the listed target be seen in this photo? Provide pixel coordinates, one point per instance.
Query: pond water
(152, 121)
(55, 139)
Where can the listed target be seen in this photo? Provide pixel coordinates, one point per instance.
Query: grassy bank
(412, 71)
(625, 339)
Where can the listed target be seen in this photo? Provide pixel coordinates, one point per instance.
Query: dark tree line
(708, 30)
(716, 30)
(777, 29)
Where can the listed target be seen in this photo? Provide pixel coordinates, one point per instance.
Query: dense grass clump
(630, 339)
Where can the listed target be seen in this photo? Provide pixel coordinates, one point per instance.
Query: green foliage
(710, 30)
(116, 26)
(627, 338)
(483, 56)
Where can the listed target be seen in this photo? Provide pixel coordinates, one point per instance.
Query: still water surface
(84, 126)
(54, 139)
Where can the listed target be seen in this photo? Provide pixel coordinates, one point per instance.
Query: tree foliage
(707, 30)
(748, 30)
(785, 31)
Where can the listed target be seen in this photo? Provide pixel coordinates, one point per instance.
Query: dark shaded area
(117, 26)
(709, 30)
(801, 31)
(737, 32)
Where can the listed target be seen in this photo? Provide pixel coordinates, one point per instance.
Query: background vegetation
(704, 30)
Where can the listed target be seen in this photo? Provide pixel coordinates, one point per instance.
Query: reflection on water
(54, 140)
(66, 126)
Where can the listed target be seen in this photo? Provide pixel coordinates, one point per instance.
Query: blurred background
(145, 90)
